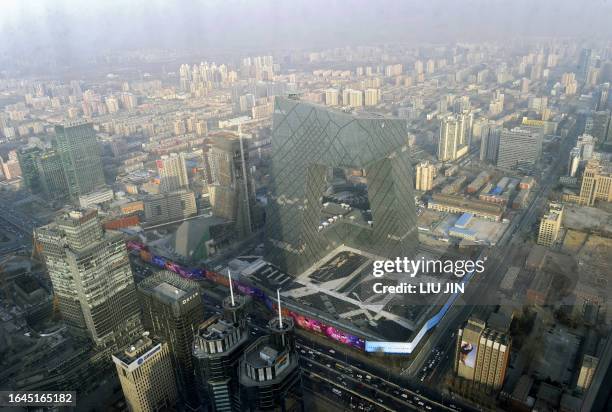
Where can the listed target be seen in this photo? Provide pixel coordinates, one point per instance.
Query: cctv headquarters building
(337, 179)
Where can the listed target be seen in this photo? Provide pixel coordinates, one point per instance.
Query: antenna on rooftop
(229, 274)
(280, 314)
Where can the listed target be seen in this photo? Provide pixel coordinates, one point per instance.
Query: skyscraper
(91, 277)
(146, 375)
(172, 309)
(489, 143)
(584, 63)
(172, 173)
(311, 147)
(519, 146)
(455, 138)
(218, 347)
(231, 186)
(80, 154)
(29, 172)
(482, 352)
(270, 376)
(43, 172)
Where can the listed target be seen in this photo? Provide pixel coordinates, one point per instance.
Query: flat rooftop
(169, 291)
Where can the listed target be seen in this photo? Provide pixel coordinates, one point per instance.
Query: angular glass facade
(309, 140)
(80, 154)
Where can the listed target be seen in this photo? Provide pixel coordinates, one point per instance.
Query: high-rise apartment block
(80, 154)
(91, 276)
(172, 309)
(455, 137)
(372, 97)
(425, 174)
(307, 158)
(146, 374)
(519, 146)
(482, 353)
(172, 173)
(332, 97)
(550, 225)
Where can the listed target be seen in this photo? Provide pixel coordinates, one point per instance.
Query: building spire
(280, 314)
(229, 275)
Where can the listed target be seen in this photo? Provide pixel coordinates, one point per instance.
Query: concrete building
(332, 97)
(459, 204)
(550, 225)
(146, 374)
(518, 146)
(172, 173)
(587, 371)
(372, 97)
(169, 207)
(482, 353)
(596, 183)
(425, 174)
(172, 309)
(92, 279)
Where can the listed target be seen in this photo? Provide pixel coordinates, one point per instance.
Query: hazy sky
(89, 25)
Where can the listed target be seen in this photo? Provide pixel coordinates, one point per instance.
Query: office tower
(332, 97)
(372, 97)
(270, 376)
(550, 225)
(482, 352)
(584, 63)
(218, 347)
(311, 147)
(596, 183)
(586, 146)
(91, 277)
(603, 97)
(600, 127)
(80, 154)
(489, 143)
(172, 173)
(425, 173)
(172, 309)
(29, 171)
(518, 146)
(52, 177)
(146, 374)
(169, 207)
(231, 187)
(454, 138)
